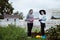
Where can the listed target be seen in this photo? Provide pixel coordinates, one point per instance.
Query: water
(23, 23)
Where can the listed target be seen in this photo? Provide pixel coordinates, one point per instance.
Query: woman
(42, 20)
(30, 19)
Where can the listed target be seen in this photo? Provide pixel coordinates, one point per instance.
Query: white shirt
(42, 18)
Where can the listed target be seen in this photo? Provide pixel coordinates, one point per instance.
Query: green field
(12, 32)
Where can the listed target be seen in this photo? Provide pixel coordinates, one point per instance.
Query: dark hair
(43, 11)
(30, 10)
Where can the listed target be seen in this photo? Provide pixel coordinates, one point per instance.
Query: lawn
(34, 39)
(12, 32)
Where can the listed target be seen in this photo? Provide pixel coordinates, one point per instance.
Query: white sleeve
(40, 16)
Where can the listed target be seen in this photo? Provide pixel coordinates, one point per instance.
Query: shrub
(53, 33)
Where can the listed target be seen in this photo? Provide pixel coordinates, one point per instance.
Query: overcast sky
(22, 5)
(36, 5)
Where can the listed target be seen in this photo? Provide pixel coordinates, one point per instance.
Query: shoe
(44, 36)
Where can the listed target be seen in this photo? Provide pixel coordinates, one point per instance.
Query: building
(8, 17)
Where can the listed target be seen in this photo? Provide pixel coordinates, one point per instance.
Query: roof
(11, 16)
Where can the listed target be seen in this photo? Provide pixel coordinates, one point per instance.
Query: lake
(23, 23)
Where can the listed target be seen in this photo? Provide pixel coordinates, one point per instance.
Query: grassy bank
(12, 32)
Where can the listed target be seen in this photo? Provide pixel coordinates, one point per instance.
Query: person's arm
(27, 18)
(39, 18)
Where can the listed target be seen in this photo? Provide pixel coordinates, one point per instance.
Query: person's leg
(42, 28)
(29, 28)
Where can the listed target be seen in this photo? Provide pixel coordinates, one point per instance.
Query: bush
(53, 33)
(12, 32)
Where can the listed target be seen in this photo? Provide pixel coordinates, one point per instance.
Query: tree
(16, 13)
(5, 7)
(21, 15)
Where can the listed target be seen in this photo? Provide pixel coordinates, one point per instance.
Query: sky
(25, 5)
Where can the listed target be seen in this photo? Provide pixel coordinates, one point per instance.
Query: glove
(40, 20)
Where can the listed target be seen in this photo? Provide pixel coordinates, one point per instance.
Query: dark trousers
(42, 28)
(29, 27)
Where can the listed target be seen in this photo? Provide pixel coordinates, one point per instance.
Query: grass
(34, 39)
(12, 32)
